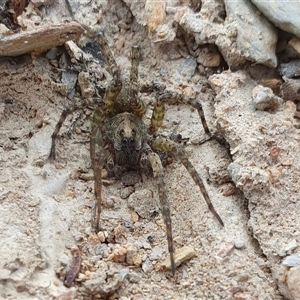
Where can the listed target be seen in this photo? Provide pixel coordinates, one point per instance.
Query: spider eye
(133, 132)
(128, 141)
(121, 132)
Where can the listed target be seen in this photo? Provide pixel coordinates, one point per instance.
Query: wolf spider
(120, 137)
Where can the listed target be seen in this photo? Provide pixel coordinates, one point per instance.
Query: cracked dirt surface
(46, 207)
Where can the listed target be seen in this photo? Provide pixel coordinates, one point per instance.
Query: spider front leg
(165, 206)
(98, 157)
(163, 144)
(137, 105)
(66, 112)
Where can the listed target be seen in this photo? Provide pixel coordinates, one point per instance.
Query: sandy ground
(46, 207)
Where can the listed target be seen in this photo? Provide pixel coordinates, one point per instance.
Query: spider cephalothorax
(126, 133)
(120, 137)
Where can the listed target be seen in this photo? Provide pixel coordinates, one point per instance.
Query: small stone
(264, 98)
(134, 217)
(291, 261)
(124, 273)
(187, 67)
(178, 240)
(225, 251)
(74, 51)
(180, 256)
(126, 192)
(295, 43)
(86, 87)
(156, 13)
(209, 57)
(34, 202)
(101, 250)
(118, 231)
(146, 245)
(120, 43)
(239, 244)
(274, 152)
(147, 266)
(118, 254)
(292, 245)
(133, 256)
(156, 253)
(101, 236)
(52, 53)
(293, 282)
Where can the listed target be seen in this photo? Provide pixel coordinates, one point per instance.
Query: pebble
(274, 152)
(180, 256)
(156, 253)
(147, 266)
(209, 57)
(133, 256)
(101, 249)
(134, 217)
(126, 192)
(264, 98)
(293, 282)
(239, 244)
(146, 245)
(225, 251)
(291, 260)
(101, 236)
(292, 245)
(52, 53)
(118, 254)
(156, 13)
(124, 272)
(187, 67)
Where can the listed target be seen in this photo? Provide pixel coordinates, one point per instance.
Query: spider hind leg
(163, 144)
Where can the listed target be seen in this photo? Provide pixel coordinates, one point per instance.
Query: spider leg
(173, 97)
(98, 156)
(157, 168)
(157, 117)
(115, 86)
(137, 104)
(163, 144)
(153, 86)
(67, 111)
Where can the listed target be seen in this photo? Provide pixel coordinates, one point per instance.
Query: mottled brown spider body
(119, 135)
(126, 133)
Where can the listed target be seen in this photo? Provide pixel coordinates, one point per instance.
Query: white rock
(291, 261)
(291, 246)
(283, 14)
(256, 37)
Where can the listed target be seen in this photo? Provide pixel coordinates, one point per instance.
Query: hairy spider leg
(157, 168)
(172, 97)
(98, 157)
(115, 85)
(138, 106)
(164, 144)
(67, 111)
(157, 117)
